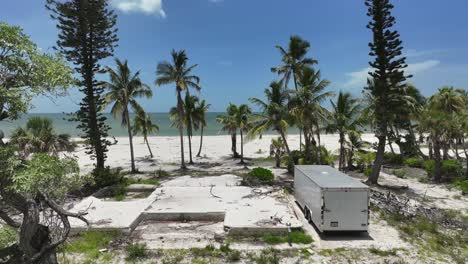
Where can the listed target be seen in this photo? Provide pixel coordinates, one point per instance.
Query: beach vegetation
(178, 72)
(136, 251)
(142, 124)
(239, 117)
(90, 242)
(307, 111)
(393, 158)
(200, 123)
(27, 72)
(295, 237)
(124, 87)
(260, 175)
(39, 136)
(34, 187)
(414, 162)
(229, 124)
(294, 59)
(344, 119)
(277, 150)
(86, 51)
(274, 114)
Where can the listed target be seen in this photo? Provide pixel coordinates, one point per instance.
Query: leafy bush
(261, 174)
(393, 158)
(160, 173)
(234, 256)
(107, 177)
(399, 173)
(368, 171)
(462, 185)
(365, 160)
(136, 251)
(429, 166)
(414, 162)
(7, 236)
(452, 168)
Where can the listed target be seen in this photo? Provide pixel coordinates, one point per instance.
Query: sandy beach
(216, 149)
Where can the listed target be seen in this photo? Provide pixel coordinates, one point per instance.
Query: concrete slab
(141, 188)
(219, 198)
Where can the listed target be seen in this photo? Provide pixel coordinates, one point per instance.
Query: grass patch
(7, 236)
(130, 181)
(399, 173)
(461, 185)
(266, 256)
(89, 243)
(429, 237)
(383, 253)
(297, 237)
(136, 251)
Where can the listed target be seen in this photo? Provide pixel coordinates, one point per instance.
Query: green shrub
(462, 185)
(107, 177)
(399, 173)
(160, 173)
(136, 251)
(368, 171)
(393, 158)
(262, 174)
(452, 168)
(225, 248)
(7, 236)
(129, 181)
(429, 166)
(365, 160)
(414, 162)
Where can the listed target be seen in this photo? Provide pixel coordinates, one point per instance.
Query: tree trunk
(379, 156)
(149, 149)
(438, 161)
(242, 146)
(181, 129)
(130, 138)
(201, 142)
(319, 152)
(189, 136)
(307, 146)
(391, 147)
(283, 136)
(234, 145)
(341, 160)
(445, 150)
(431, 149)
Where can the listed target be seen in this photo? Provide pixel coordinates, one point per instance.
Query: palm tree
(39, 136)
(277, 150)
(275, 114)
(143, 124)
(124, 87)
(190, 116)
(229, 124)
(294, 60)
(343, 120)
(179, 73)
(307, 110)
(201, 110)
(354, 145)
(243, 116)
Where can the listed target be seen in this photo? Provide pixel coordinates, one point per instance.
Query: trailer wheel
(307, 214)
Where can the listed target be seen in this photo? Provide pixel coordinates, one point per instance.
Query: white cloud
(143, 6)
(358, 79)
(412, 53)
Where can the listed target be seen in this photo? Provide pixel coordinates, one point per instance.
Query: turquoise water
(162, 119)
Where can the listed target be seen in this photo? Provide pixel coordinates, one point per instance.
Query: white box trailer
(332, 200)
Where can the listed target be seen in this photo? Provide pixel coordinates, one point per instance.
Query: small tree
(201, 110)
(229, 124)
(35, 190)
(144, 125)
(25, 72)
(388, 75)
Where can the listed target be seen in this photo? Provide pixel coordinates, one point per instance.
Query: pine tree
(388, 74)
(87, 34)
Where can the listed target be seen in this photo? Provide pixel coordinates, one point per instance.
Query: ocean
(161, 119)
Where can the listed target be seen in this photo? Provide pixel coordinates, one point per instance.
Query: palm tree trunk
(341, 160)
(234, 145)
(438, 161)
(201, 142)
(181, 129)
(130, 138)
(189, 136)
(149, 149)
(242, 146)
(300, 129)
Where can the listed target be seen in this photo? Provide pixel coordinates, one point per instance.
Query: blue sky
(233, 41)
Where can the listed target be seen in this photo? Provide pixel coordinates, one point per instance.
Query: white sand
(166, 150)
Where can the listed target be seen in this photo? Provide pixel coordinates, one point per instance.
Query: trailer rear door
(345, 210)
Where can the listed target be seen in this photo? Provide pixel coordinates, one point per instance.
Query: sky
(233, 42)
